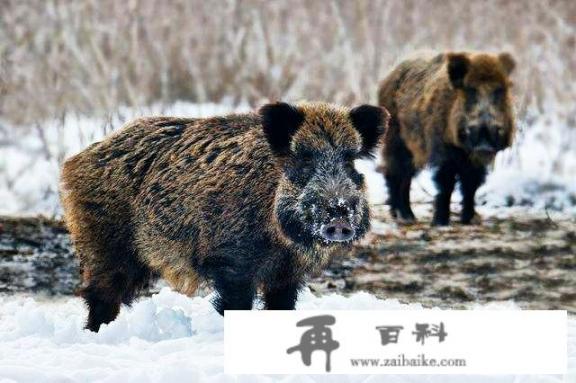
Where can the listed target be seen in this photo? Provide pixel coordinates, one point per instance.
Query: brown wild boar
(246, 201)
(453, 112)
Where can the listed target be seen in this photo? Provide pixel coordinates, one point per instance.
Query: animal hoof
(476, 219)
(436, 222)
(405, 221)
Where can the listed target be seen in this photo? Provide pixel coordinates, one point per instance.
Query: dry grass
(91, 56)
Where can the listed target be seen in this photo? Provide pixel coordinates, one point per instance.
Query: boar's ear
(458, 65)
(507, 61)
(280, 121)
(371, 122)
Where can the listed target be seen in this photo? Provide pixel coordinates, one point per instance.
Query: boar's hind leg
(110, 285)
(111, 272)
(398, 175)
(103, 306)
(445, 179)
(470, 180)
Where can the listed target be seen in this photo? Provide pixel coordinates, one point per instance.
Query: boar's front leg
(233, 294)
(281, 297)
(445, 179)
(471, 178)
(234, 285)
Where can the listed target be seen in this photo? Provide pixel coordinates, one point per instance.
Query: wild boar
(246, 202)
(453, 112)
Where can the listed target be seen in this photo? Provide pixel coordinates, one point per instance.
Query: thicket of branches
(91, 56)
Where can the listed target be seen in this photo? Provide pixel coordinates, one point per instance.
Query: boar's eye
(300, 168)
(306, 162)
(462, 133)
(470, 92)
(499, 129)
(471, 96)
(305, 159)
(498, 95)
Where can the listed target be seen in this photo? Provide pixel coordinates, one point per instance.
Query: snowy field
(169, 338)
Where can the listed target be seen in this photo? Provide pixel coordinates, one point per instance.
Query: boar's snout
(337, 231)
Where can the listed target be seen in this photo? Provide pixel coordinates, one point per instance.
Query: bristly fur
(235, 200)
(452, 111)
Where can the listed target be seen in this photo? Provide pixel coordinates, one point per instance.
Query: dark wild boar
(246, 202)
(453, 112)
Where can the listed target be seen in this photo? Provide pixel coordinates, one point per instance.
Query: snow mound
(513, 189)
(166, 338)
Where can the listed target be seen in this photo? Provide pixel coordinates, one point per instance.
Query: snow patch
(167, 338)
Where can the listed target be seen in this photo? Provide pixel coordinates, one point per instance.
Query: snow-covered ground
(538, 172)
(168, 338)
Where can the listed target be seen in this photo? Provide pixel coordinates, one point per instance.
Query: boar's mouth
(484, 153)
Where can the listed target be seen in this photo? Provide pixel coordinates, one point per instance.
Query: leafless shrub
(91, 56)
